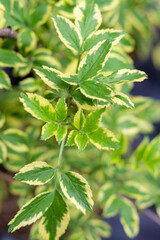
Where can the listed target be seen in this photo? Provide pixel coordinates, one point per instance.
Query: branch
(8, 32)
(152, 216)
(6, 177)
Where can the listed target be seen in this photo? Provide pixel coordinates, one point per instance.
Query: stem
(59, 160)
(79, 59)
(152, 216)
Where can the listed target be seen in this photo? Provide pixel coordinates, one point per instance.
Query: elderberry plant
(78, 97)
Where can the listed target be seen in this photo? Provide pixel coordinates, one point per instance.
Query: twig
(6, 177)
(8, 32)
(150, 214)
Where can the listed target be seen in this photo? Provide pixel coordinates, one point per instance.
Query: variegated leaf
(38, 106)
(71, 138)
(10, 58)
(77, 190)
(114, 36)
(61, 110)
(48, 130)
(87, 18)
(3, 152)
(96, 90)
(55, 221)
(32, 211)
(39, 14)
(94, 60)
(2, 120)
(36, 173)
(103, 139)
(129, 217)
(27, 40)
(126, 75)
(93, 120)
(4, 80)
(79, 119)
(68, 33)
(123, 100)
(81, 141)
(111, 206)
(15, 139)
(51, 77)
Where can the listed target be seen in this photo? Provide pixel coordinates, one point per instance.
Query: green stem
(79, 59)
(59, 160)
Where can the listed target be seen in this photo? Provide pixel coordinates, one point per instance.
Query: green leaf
(27, 40)
(2, 120)
(79, 119)
(96, 90)
(36, 173)
(55, 221)
(87, 18)
(71, 138)
(94, 60)
(38, 107)
(11, 59)
(48, 130)
(123, 100)
(15, 139)
(61, 133)
(129, 218)
(4, 80)
(103, 139)
(3, 152)
(68, 33)
(126, 75)
(32, 211)
(76, 189)
(92, 121)
(111, 207)
(29, 84)
(39, 14)
(81, 141)
(51, 77)
(114, 36)
(61, 110)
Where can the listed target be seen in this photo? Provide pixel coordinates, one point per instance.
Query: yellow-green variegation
(36, 173)
(76, 189)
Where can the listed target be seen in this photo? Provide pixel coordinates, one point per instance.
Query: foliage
(76, 78)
